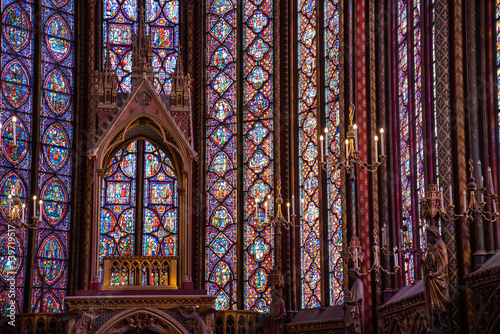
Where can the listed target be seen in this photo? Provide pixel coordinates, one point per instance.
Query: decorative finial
(352, 109)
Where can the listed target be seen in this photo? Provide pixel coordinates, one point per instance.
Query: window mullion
(139, 214)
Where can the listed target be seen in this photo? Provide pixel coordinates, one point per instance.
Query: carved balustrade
(140, 272)
(236, 321)
(34, 323)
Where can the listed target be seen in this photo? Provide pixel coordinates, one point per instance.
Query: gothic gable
(143, 113)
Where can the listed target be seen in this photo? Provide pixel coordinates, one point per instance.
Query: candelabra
(276, 278)
(354, 251)
(471, 208)
(278, 220)
(16, 210)
(352, 153)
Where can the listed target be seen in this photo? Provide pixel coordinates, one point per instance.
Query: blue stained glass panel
(258, 151)
(308, 152)
(161, 204)
(221, 156)
(54, 179)
(118, 204)
(16, 104)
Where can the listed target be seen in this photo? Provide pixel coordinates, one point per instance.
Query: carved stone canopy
(143, 107)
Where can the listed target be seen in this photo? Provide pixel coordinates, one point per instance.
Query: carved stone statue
(354, 304)
(277, 314)
(79, 321)
(436, 283)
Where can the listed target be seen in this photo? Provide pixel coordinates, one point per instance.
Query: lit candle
(490, 179)
(450, 194)
(465, 200)
(34, 206)
(442, 199)
(402, 238)
(347, 150)
(326, 141)
(22, 211)
(288, 209)
(14, 119)
(480, 173)
(382, 148)
(356, 137)
(384, 235)
(376, 148)
(40, 212)
(494, 205)
(356, 257)
(396, 259)
(321, 147)
(293, 205)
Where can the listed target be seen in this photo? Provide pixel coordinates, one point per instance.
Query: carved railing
(133, 272)
(34, 323)
(236, 321)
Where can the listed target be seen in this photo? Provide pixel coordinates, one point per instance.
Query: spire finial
(142, 54)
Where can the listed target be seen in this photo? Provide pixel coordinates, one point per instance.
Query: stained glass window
(221, 153)
(55, 167)
(410, 123)
(16, 64)
(258, 146)
(308, 155)
(404, 130)
(418, 113)
(140, 167)
(54, 163)
(334, 189)
(120, 20)
(119, 29)
(118, 203)
(257, 165)
(161, 203)
(163, 22)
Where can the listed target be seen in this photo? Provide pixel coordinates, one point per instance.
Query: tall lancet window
(319, 257)
(139, 168)
(29, 168)
(120, 27)
(310, 256)
(226, 118)
(15, 166)
(332, 112)
(411, 148)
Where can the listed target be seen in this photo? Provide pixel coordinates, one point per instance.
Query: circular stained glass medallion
(57, 92)
(55, 146)
(16, 27)
(57, 37)
(15, 81)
